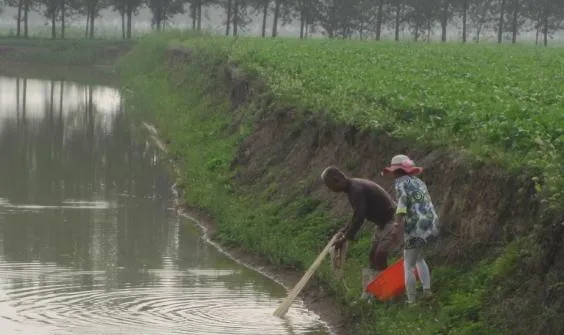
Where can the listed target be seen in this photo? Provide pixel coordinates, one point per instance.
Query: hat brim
(410, 170)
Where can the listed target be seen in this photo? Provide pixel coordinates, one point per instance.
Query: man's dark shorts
(382, 241)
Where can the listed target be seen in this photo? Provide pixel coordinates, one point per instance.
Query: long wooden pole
(283, 308)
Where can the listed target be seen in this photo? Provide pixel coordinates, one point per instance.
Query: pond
(89, 243)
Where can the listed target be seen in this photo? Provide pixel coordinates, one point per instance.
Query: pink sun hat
(402, 162)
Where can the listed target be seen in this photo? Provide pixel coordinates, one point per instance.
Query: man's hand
(397, 229)
(341, 238)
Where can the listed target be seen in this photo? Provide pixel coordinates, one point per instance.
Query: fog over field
(417, 21)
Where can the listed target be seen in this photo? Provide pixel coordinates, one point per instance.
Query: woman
(416, 214)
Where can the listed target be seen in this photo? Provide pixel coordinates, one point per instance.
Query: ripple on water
(61, 306)
(67, 204)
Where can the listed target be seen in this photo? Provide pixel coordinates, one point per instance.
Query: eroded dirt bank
(483, 209)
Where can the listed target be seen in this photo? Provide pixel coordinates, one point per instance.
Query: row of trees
(334, 18)
(58, 11)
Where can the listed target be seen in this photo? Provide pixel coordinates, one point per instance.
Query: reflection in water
(87, 243)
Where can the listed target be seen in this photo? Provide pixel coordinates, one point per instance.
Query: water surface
(88, 241)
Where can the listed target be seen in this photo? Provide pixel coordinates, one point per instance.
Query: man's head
(334, 179)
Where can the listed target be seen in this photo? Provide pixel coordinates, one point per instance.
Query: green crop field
(498, 103)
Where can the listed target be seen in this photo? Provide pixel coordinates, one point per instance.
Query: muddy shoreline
(314, 298)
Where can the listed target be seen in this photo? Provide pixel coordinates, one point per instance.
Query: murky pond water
(88, 241)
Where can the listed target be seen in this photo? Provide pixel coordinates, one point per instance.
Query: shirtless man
(371, 202)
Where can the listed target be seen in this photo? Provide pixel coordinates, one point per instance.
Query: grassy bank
(411, 92)
(69, 52)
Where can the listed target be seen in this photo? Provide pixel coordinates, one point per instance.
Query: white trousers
(413, 259)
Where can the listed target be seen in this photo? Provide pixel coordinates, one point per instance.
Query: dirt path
(322, 303)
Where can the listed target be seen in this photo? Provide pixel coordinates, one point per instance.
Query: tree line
(364, 19)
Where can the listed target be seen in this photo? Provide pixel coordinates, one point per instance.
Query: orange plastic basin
(389, 283)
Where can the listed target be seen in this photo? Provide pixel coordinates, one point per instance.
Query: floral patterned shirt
(421, 219)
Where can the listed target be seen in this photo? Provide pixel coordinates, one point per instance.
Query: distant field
(498, 102)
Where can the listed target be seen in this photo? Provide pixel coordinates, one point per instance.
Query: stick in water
(283, 308)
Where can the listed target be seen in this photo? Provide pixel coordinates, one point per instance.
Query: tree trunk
(122, 12)
(303, 22)
(199, 13)
(92, 23)
(537, 31)
(63, 13)
(398, 21)
(193, 15)
(379, 16)
(276, 15)
(514, 26)
(158, 23)
(264, 17)
(500, 22)
(444, 20)
(235, 17)
(333, 17)
(20, 4)
(228, 23)
(87, 22)
(129, 15)
(545, 29)
(53, 21)
(26, 21)
(464, 21)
